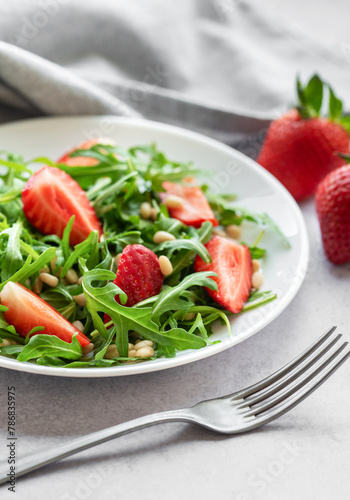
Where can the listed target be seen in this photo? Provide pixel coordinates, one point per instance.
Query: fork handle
(45, 457)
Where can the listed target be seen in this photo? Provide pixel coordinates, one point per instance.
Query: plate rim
(166, 363)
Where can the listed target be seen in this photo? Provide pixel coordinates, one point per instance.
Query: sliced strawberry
(26, 311)
(195, 208)
(233, 265)
(51, 197)
(83, 161)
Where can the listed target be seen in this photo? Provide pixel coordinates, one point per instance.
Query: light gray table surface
(304, 454)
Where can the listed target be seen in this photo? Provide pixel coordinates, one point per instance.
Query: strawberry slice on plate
(83, 161)
(139, 274)
(50, 198)
(194, 209)
(233, 265)
(26, 311)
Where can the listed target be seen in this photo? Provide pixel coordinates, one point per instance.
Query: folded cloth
(219, 67)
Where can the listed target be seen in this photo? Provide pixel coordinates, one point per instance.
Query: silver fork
(235, 413)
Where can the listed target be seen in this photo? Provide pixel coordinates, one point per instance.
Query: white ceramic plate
(284, 268)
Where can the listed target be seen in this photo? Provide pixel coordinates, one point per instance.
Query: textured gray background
(303, 455)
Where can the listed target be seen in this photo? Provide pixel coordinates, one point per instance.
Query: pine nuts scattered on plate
(72, 276)
(161, 236)
(173, 201)
(234, 231)
(78, 324)
(255, 265)
(48, 279)
(257, 280)
(80, 299)
(145, 210)
(165, 265)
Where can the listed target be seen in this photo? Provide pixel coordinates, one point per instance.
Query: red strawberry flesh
(138, 274)
(26, 311)
(195, 209)
(301, 152)
(333, 210)
(83, 161)
(233, 265)
(50, 198)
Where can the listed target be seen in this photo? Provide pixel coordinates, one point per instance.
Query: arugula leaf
(30, 268)
(49, 345)
(229, 213)
(11, 349)
(12, 258)
(81, 249)
(170, 298)
(65, 238)
(256, 252)
(125, 319)
(194, 246)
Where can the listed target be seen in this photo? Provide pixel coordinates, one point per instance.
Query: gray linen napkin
(219, 67)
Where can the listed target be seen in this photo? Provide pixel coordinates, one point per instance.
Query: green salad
(77, 277)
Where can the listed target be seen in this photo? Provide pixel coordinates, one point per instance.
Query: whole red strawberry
(333, 209)
(300, 147)
(138, 274)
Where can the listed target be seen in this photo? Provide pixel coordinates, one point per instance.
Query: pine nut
(49, 279)
(117, 259)
(80, 299)
(144, 352)
(111, 352)
(255, 265)
(132, 353)
(7, 342)
(80, 281)
(145, 210)
(88, 348)
(38, 286)
(219, 232)
(173, 201)
(44, 270)
(143, 343)
(257, 279)
(131, 347)
(234, 231)
(165, 265)
(161, 236)
(189, 316)
(154, 213)
(65, 282)
(72, 276)
(78, 324)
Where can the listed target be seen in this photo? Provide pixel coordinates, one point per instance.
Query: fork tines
(284, 389)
